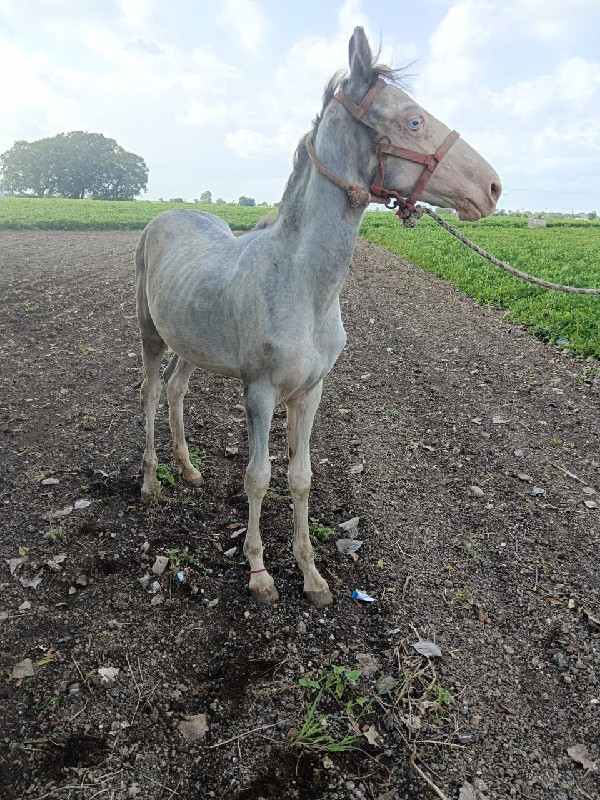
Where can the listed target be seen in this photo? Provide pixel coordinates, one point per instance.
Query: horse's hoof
(195, 479)
(265, 594)
(321, 598)
(150, 492)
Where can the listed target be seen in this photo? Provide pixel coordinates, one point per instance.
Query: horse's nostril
(496, 190)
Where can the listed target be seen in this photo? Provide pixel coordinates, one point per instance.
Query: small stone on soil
(560, 660)
(24, 669)
(160, 565)
(350, 525)
(194, 727)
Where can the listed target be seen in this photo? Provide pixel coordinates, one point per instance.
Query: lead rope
(558, 287)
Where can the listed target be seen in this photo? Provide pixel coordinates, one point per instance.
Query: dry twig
(241, 736)
(429, 782)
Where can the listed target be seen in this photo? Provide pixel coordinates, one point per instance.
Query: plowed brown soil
(434, 395)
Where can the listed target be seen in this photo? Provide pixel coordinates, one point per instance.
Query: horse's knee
(256, 480)
(299, 481)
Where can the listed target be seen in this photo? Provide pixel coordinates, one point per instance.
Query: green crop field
(567, 252)
(57, 214)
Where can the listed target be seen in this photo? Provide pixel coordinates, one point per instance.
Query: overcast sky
(215, 95)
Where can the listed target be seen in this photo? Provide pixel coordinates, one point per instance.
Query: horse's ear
(361, 63)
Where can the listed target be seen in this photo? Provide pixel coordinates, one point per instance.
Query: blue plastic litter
(358, 594)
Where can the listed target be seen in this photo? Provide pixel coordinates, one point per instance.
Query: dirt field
(468, 450)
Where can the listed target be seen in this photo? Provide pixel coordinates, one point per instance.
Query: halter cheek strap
(430, 162)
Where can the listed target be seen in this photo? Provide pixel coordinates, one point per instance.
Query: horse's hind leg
(178, 373)
(301, 414)
(152, 349)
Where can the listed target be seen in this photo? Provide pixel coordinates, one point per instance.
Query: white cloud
(199, 113)
(135, 12)
(247, 21)
(249, 143)
(573, 87)
(453, 63)
(312, 59)
(549, 21)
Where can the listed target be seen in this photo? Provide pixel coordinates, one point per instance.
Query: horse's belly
(213, 359)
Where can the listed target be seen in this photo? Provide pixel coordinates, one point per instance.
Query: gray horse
(264, 307)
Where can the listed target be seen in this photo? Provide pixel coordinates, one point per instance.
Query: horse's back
(174, 240)
(180, 225)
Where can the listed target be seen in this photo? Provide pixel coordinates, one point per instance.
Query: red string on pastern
(254, 572)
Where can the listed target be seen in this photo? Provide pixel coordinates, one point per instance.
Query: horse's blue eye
(415, 123)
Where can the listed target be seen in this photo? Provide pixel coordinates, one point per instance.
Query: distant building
(534, 222)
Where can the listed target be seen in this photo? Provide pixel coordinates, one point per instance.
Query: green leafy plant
(442, 702)
(179, 559)
(567, 251)
(319, 533)
(182, 561)
(52, 703)
(165, 475)
(420, 694)
(196, 459)
(474, 555)
(271, 496)
(443, 696)
(332, 712)
(65, 214)
(53, 534)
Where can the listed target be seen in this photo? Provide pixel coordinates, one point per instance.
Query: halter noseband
(379, 193)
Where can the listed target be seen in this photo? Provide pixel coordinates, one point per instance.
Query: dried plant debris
(579, 753)
(428, 649)
(469, 792)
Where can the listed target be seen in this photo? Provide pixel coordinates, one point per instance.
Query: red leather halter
(404, 206)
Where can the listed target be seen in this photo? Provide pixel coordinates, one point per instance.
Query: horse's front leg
(301, 414)
(260, 403)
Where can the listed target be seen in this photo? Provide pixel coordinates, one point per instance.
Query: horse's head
(405, 134)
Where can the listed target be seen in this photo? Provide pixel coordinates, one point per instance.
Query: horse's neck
(318, 223)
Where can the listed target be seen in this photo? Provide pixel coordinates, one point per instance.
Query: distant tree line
(76, 165)
(520, 212)
(206, 199)
(501, 212)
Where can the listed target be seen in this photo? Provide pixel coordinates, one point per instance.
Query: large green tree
(74, 165)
